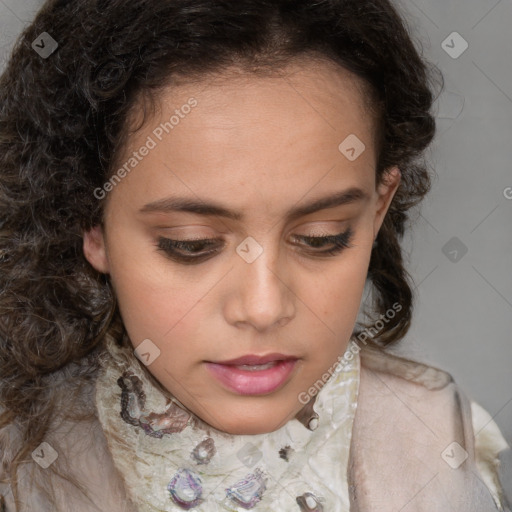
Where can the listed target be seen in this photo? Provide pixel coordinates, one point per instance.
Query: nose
(262, 292)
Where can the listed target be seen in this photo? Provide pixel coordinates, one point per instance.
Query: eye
(337, 242)
(188, 251)
(198, 250)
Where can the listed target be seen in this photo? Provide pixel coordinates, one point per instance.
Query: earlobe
(94, 249)
(386, 190)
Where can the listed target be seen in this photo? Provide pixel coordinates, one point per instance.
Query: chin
(252, 428)
(240, 425)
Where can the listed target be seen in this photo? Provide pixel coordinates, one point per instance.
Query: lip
(253, 382)
(255, 359)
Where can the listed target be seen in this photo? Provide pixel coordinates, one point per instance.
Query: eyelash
(171, 247)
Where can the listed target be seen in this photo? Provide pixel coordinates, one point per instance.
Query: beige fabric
(412, 434)
(407, 415)
(88, 459)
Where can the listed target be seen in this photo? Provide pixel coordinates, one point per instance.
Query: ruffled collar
(170, 460)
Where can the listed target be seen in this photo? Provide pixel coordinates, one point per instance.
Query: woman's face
(254, 165)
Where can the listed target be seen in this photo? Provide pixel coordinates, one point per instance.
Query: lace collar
(170, 460)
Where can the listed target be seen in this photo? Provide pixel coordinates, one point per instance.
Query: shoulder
(428, 405)
(428, 377)
(412, 398)
(80, 453)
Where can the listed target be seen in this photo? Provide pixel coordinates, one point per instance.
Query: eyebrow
(184, 204)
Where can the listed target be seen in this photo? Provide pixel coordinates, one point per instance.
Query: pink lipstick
(253, 374)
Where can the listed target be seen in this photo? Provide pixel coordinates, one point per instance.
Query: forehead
(260, 133)
(315, 87)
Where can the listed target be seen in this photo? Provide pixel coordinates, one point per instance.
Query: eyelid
(206, 240)
(316, 228)
(170, 247)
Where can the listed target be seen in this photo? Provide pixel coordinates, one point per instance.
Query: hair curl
(63, 120)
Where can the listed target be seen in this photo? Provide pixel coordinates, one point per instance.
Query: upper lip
(255, 359)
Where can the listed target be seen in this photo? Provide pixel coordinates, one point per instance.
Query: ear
(95, 250)
(385, 190)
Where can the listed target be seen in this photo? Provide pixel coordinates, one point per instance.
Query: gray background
(463, 315)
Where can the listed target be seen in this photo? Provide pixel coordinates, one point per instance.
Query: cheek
(157, 312)
(154, 303)
(337, 294)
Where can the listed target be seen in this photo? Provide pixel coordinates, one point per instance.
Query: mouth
(252, 374)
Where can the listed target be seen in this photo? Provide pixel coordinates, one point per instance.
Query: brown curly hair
(63, 121)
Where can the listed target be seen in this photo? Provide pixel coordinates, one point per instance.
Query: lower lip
(256, 382)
